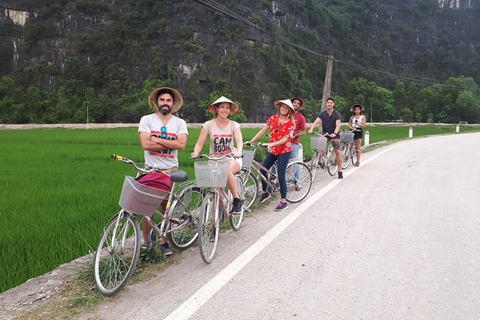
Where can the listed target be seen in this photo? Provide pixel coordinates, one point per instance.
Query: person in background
(161, 135)
(300, 125)
(281, 127)
(331, 119)
(357, 123)
(222, 133)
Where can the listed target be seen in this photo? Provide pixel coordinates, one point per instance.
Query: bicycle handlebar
(126, 160)
(213, 157)
(256, 145)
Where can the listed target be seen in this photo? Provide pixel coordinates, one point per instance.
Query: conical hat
(177, 99)
(302, 103)
(233, 109)
(286, 102)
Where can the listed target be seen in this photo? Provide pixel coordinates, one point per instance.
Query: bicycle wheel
(183, 229)
(236, 219)
(299, 181)
(117, 253)
(331, 164)
(251, 190)
(313, 164)
(345, 151)
(208, 228)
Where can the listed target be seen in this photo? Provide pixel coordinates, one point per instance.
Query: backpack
(156, 180)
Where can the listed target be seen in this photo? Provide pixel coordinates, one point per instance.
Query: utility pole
(327, 87)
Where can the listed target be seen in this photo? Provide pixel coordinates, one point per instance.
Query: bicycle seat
(178, 176)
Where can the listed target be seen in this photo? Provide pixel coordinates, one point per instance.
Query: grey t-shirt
(329, 122)
(165, 159)
(221, 139)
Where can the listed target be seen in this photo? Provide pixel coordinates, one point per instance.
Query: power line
(419, 80)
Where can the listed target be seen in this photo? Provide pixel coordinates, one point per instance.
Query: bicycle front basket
(139, 198)
(211, 174)
(318, 143)
(247, 158)
(346, 136)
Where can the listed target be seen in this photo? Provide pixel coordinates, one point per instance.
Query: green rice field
(59, 188)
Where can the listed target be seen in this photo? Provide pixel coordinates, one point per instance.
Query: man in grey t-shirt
(161, 135)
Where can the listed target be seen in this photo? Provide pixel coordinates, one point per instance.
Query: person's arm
(237, 134)
(314, 125)
(260, 133)
(364, 121)
(177, 144)
(200, 142)
(148, 143)
(302, 127)
(337, 127)
(279, 142)
(350, 126)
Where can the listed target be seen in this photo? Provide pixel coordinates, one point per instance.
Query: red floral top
(278, 130)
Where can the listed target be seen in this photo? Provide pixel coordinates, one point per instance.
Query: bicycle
(347, 149)
(319, 144)
(212, 176)
(298, 177)
(119, 248)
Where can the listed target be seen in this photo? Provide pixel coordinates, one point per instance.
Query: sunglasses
(164, 132)
(276, 129)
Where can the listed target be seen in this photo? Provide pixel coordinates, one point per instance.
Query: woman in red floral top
(281, 126)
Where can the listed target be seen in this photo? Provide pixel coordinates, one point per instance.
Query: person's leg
(231, 181)
(232, 186)
(294, 157)
(267, 163)
(282, 161)
(338, 155)
(358, 143)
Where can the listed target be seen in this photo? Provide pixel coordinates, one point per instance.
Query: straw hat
(286, 102)
(352, 108)
(302, 103)
(233, 108)
(177, 99)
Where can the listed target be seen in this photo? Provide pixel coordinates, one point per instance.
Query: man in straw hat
(161, 135)
(331, 120)
(300, 126)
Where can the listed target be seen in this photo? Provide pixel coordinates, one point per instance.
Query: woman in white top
(222, 133)
(357, 123)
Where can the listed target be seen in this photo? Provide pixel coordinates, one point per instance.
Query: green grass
(60, 187)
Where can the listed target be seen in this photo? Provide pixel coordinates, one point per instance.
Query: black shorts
(358, 134)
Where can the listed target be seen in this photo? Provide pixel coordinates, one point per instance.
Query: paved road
(398, 238)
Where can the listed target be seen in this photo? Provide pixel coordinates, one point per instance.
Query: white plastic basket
(211, 174)
(318, 143)
(139, 198)
(346, 136)
(247, 158)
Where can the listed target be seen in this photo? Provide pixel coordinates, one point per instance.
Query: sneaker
(165, 249)
(320, 165)
(237, 206)
(281, 206)
(264, 197)
(357, 164)
(340, 175)
(146, 246)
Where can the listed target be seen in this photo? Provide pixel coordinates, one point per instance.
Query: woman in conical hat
(281, 127)
(223, 132)
(357, 122)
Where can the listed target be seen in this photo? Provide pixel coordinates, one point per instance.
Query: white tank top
(355, 124)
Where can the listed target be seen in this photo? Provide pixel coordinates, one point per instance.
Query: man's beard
(163, 111)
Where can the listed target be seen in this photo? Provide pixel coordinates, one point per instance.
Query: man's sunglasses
(164, 133)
